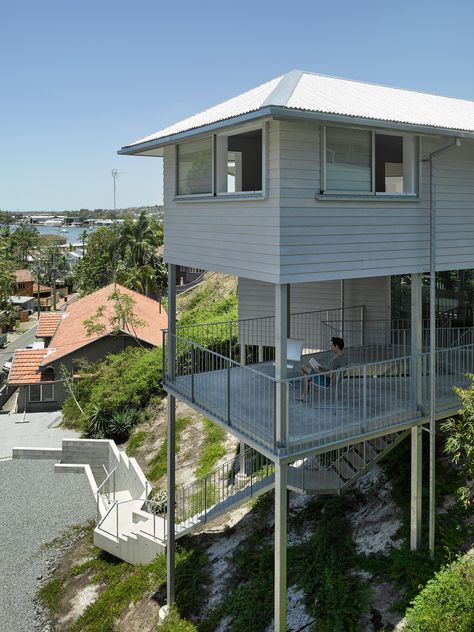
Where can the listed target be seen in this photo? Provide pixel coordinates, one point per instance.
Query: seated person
(321, 376)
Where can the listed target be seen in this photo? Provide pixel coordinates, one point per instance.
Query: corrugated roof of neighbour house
(71, 333)
(313, 93)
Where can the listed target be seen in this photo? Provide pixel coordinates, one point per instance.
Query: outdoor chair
(294, 350)
(329, 396)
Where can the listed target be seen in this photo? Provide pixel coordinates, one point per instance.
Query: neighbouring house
(47, 326)
(23, 282)
(329, 199)
(184, 275)
(37, 373)
(26, 304)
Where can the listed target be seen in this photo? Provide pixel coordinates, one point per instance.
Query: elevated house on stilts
(322, 195)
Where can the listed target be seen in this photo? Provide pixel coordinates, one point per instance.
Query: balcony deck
(367, 398)
(226, 371)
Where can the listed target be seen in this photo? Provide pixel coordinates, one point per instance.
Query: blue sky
(81, 78)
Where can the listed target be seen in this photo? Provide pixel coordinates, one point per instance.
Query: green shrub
(174, 623)
(447, 602)
(123, 381)
(136, 441)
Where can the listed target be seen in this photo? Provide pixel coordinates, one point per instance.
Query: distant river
(72, 236)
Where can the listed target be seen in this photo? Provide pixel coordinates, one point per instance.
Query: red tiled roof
(71, 334)
(25, 367)
(48, 324)
(23, 276)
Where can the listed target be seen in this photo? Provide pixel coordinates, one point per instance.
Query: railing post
(98, 510)
(154, 524)
(205, 499)
(193, 358)
(117, 519)
(228, 394)
(230, 340)
(364, 394)
(163, 356)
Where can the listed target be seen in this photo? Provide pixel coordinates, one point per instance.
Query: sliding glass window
(195, 167)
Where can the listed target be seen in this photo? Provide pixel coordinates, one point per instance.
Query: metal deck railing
(374, 393)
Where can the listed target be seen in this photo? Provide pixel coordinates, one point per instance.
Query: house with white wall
(317, 191)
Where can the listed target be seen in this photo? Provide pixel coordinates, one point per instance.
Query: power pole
(53, 279)
(115, 174)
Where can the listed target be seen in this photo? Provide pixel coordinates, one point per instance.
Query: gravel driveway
(36, 506)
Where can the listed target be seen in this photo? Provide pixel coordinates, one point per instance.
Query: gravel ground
(36, 506)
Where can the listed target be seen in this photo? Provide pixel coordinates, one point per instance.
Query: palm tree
(24, 240)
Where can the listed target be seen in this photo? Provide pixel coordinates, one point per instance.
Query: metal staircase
(136, 529)
(333, 472)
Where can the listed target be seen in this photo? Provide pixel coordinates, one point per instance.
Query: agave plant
(121, 424)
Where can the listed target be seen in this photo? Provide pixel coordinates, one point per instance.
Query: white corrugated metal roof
(318, 93)
(241, 104)
(311, 92)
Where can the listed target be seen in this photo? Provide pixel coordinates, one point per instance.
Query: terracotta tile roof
(71, 335)
(23, 276)
(48, 324)
(25, 367)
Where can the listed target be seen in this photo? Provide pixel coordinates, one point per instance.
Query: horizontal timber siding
(257, 299)
(344, 239)
(238, 237)
(294, 237)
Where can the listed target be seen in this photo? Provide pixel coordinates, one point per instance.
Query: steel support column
(416, 487)
(281, 335)
(282, 326)
(416, 395)
(171, 420)
(416, 341)
(432, 484)
(281, 480)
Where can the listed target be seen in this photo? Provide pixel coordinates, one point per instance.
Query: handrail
(104, 481)
(246, 320)
(223, 357)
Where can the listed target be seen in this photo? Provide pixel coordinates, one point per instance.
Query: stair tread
(314, 479)
(354, 459)
(344, 469)
(380, 443)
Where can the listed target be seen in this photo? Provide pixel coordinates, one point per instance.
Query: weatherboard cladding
(230, 236)
(294, 237)
(311, 92)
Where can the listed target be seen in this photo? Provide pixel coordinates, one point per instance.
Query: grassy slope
(213, 300)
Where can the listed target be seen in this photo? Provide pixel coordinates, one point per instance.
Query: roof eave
(290, 113)
(151, 145)
(282, 112)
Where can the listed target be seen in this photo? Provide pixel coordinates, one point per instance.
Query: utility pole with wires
(115, 175)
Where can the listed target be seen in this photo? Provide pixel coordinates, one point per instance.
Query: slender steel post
(171, 448)
(281, 480)
(342, 307)
(281, 336)
(416, 487)
(416, 340)
(432, 483)
(416, 398)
